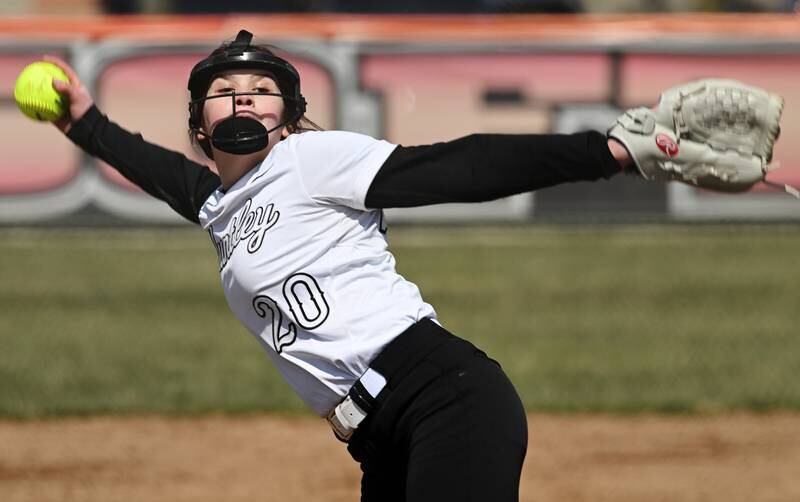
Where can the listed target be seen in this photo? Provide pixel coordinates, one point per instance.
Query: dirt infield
(570, 458)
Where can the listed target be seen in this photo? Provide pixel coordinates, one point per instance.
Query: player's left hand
(715, 134)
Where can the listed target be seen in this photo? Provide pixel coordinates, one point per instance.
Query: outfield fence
(411, 80)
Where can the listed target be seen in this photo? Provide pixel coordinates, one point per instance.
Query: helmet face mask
(242, 135)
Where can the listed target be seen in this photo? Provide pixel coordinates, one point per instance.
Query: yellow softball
(34, 93)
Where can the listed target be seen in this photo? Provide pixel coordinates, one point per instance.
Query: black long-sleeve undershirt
(165, 174)
(474, 168)
(483, 167)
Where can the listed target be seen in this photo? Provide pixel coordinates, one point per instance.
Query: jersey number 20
(307, 305)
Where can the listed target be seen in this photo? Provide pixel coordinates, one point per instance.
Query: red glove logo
(666, 145)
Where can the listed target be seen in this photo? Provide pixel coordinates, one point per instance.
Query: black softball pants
(449, 426)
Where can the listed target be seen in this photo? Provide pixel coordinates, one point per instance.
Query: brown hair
(301, 124)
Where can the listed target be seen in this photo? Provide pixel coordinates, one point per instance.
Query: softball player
(295, 217)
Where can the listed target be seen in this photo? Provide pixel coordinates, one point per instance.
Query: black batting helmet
(240, 54)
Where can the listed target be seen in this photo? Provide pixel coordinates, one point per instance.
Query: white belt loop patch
(373, 381)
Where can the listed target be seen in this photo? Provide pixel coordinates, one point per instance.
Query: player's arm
(483, 167)
(162, 173)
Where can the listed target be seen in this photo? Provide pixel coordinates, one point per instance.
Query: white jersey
(305, 266)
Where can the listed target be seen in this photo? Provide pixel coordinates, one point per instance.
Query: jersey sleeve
(338, 167)
(162, 173)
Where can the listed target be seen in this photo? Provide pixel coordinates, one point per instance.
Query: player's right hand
(78, 95)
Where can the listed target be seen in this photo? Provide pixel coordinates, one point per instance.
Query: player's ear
(285, 133)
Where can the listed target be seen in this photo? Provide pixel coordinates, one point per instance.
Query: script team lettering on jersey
(249, 225)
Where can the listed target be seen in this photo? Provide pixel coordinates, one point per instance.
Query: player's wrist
(80, 131)
(620, 154)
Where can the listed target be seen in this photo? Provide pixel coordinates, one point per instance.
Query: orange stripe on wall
(423, 28)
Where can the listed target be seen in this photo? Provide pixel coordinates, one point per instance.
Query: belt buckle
(345, 418)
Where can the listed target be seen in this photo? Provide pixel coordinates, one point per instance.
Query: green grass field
(599, 319)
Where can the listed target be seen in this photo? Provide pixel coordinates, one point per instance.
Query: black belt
(392, 365)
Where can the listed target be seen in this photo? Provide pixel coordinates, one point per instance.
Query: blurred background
(433, 72)
(427, 72)
(28, 7)
(618, 298)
